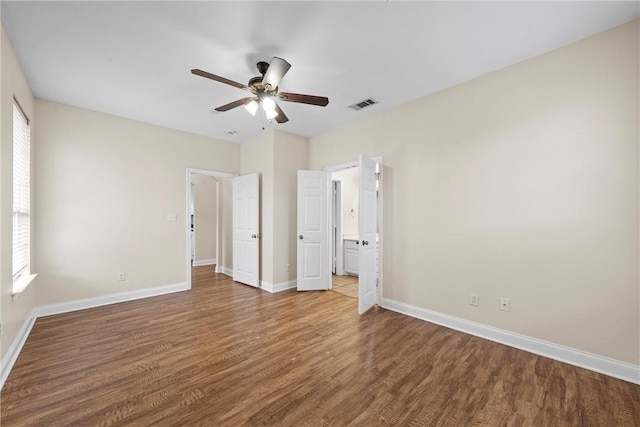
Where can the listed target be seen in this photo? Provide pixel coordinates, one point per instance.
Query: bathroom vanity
(351, 261)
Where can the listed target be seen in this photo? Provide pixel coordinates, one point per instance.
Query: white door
(246, 247)
(192, 233)
(314, 271)
(368, 230)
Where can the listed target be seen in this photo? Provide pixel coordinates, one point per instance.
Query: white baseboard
(582, 359)
(202, 262)
(11, 355)
(81, 304)
(601, 364)
(224, 270)
(266, 286)
(48, 310)
(278, 287)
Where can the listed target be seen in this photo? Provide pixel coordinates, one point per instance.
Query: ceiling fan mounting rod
(262, 67)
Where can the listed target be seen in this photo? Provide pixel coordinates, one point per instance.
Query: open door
(246, 233)
(314, 270)
(368, 231)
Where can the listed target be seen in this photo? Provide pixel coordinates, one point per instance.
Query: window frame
(21, 202)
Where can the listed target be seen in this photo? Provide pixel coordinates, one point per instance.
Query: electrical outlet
(505, 304)
(121, 276)
(172, 217)
(474, 299)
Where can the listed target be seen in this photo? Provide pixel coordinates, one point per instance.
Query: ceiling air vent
(363, 104)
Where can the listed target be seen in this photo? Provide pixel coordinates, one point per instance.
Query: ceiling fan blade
(281, 117)
(320, 101)
(276, 71)
(234, 104)
(218, 79)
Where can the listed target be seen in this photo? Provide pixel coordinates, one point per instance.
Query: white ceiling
(133, 59)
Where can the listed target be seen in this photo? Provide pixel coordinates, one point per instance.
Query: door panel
(368, 230)
(312, 260)
(246, 248)
(313, 272)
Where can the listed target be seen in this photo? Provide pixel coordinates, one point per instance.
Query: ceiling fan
(264, 89)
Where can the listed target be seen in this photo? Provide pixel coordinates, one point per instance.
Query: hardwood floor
(225, 354)
(345, 285)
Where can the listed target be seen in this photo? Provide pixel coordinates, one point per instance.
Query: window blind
(21, 192)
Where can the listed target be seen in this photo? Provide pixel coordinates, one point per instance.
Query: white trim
(356, 163)
(81, 304)
(337, 239)
(214, 174)
(278, 287)
(224, 270)
(202, 262)
(343, 166)
(15, 348)
(20, 284)
(572, 356)
(380, 227)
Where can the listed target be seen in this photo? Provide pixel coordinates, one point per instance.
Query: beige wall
(225, 225)
(277, 156)
(105, 186)
(13, 313)
(206, 216)
(522, 183)
(290, 156)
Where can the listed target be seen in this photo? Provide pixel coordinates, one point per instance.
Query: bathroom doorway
(356, 230)
(344, 231)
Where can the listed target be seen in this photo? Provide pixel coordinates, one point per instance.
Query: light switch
(172, 217)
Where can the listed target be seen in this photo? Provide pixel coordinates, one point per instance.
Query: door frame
(356, 163)
(187, 216)
(336, 227)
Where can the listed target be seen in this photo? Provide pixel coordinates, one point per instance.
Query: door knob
(364, 242)
(254, 236)
(300, 237)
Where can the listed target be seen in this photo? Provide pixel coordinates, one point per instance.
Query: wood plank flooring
(225, 354)
(345, 285)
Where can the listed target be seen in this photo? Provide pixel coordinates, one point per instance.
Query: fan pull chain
(265, 120)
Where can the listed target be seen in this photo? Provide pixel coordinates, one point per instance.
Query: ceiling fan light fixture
(251, 107)
(269, 107)
(271, 114)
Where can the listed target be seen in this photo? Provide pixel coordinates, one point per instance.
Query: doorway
(204, 220)
(198, 252)
(344, 231)
(360, 242)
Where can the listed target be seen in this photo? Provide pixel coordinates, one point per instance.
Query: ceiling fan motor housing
(255, 82)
